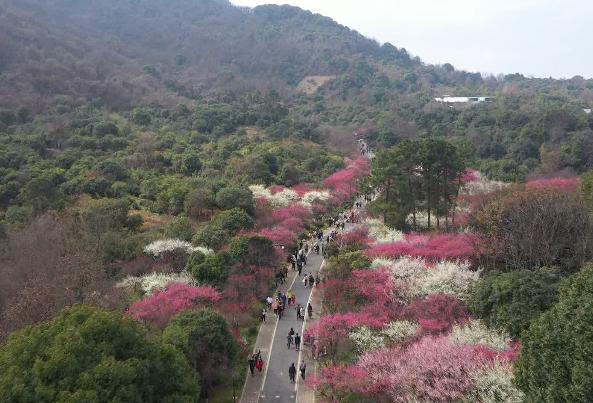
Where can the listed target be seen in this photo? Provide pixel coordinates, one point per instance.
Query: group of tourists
(256, 362)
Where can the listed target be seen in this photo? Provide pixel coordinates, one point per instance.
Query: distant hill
(121, 52)
(117, 55)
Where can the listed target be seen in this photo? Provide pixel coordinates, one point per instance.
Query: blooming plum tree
(158, 309)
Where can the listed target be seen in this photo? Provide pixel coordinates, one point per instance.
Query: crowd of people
(317, 243)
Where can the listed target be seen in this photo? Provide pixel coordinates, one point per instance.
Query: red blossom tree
(564, 184)
(436, 313)
(158, 309)
(432, 247)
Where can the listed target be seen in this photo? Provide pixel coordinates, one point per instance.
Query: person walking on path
(298, 311)
(251, 365)
(302, 313)
(263, 315)
(311, 280)
(310, 310)
(303, 368)
(292, 373)
(297, 342)
(289, 340)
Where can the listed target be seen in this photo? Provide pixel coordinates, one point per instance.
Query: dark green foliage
(87, 354)
(419, 176)
(341, 265)
(512, 300)
(556, 361)
(233, 220)
(230, 197)
(211, 269)
(204, 337)
(211, 236)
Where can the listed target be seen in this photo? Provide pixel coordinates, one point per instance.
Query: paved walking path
(273, 384)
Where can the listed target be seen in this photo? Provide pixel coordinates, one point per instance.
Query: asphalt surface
(277, 386)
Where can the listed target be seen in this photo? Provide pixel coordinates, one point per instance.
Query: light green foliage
(87, 354)
(180, 228)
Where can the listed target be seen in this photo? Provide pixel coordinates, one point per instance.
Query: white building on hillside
(447, 99)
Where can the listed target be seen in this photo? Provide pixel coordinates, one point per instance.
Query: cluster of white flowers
(421, 280)
(315, 195)
(402, 268)
(157, 248)
(494, 384)
(150, 282)
(400, 330)
(475, 332)
(365, 339)
(445, 277)
(381, 233)
(260, 191)
(482, 185)
(288, 196)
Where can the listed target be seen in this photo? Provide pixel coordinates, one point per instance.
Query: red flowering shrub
(436, 313)
(565, 184)
(358, 237)
(158, 309)
(336, 381)
(467, 176)
(361, 288)
(302, 188)
(278, 235)
(343, 182)
(434, 247)
(330, 329)
(293, 211)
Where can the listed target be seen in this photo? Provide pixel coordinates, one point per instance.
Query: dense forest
(150, 142)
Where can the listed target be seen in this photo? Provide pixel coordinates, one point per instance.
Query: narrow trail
(273, 385)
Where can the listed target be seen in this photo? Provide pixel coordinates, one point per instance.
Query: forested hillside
(161, 158)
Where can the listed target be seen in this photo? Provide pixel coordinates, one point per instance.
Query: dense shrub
(556, 361)
(204, 337)
(537, 228)
(87, 354)
(512, 300)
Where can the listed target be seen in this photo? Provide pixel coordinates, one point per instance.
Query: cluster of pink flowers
(432, 247)
(331, 328)
(164, 304)
(357, 237)
(343, 183)
(468, 176)
(564, 184)
(363, 288)
(436, 313)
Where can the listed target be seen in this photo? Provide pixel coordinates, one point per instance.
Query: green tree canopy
(204, 337)
(556, 361)
(231, 197)
(512, 300)
(91, 355)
